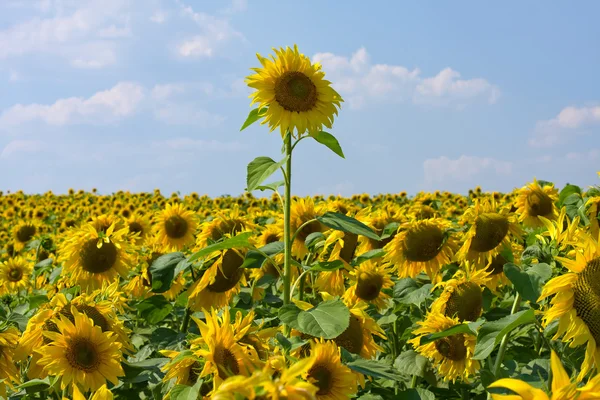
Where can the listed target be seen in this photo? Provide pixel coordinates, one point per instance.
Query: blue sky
(143, 94)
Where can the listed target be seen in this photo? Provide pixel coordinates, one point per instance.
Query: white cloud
(186, 114)
(195, 145)
(569, 122)
(165, 91)
(109, 105)
(216, 32)
(236, 6)
(359, 81)
(17, 147)
(14, 76)
(584, 156)
(463, 168)
(158, 17)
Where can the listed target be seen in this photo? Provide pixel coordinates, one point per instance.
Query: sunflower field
(431, 296)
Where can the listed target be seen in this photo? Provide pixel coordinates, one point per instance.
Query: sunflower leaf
(154, 309)
(376, 253)
(240, 240)
(470, 329)
(254, 115)
(327, 139)
(566, 192)
(260, 169)
(271, 186)
(327, 266)
(162, 271)
(411, 363)
(529, 282)
(491, 333)
(327, 320)
(288, 314)
(347, 224)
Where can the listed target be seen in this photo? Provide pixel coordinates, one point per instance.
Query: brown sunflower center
(271, 238)
(195, 370)
(465, 302)
(136, 227)
(312, 227)
(539, 203)
(226, 362)
(176, 227)
(95, 315)
(15, 274)
(254, 341)
(97, 260)
(497, 265)
(25, 233)
(229, 274)
(349, 248)
(322, 377)
(490, 231)
(83, 354)
(352, 338)
(295, 92)
(587, 297)
(452, 347)
(368, 286)
(423, 244)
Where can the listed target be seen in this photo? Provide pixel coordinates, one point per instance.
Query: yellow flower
(560, 231)
(303, 211)
(226, 223)
(576, 303)
(185, 367)
(297, 97)
(23, 232)
(420, 246)
(93, 258)
(82, 354)
(9, 374)
(562, 387)
(452, 354)
(367, 282)
(534, 201)
(14, 275)
(334, 380)
(174, 227)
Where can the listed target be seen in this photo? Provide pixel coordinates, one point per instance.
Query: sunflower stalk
(504, 342)
(287, 265)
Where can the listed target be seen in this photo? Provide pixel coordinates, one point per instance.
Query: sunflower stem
(287, 265)
(186, 320)
(504, 341)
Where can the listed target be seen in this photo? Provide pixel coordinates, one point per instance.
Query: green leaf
(344, 223)
(377, 253)
(238, 241)
(528, 283)
(34, 385)
(255, 259)
(254, 115)
(330, 141)
(389, 230)
(327, 320)
(184, 392)
(416, 394)
(37, 300)
(288, 314)
(313, 238)
(44, 263)
(456, 329)
(162, 271)
(407, 291)
(411, 363)
(376, 369)
(154, 309)
(491, 333)
(271, 186)
(566, 192)
(260, 169)
(327, 266)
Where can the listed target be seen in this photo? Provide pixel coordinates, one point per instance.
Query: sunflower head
(23, 232)
(175, 227)
(534, 201)
(15, 275)
(294, 93)
(328, 374)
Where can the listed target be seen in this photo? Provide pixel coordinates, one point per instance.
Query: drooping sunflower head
(139, 228)
(378, 220)
(369, 280)
(23, 232)
(225, 223)
(419, 246)
(294, 92)
(184, 367)
(9, 374)
(452, 354)
(534, 201)
(93, 258)
(175, 227)
(302, 212)
(14, 275)
(333, 379)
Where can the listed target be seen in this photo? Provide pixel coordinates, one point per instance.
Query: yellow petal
(77, 393)
(102, 394)
(560, 378)
(521, 388)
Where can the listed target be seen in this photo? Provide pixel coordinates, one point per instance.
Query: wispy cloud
(464, 168)
(571, 121)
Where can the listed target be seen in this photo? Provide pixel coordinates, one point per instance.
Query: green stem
(186, 320)
(310, 221)
(504, 341)
(287, 265)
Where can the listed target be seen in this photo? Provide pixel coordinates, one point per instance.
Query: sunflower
(175, 227)
(576, 303)
(593, 213)
(452, 354)
(139, 228)
(339, 246)
(495, 266)
(420, 246)
(185, 367)
(462, 296)
(223, 357)
(562, 387)
(220, 282)
(225, 223)
(534, 201)
(80, 353)
(9, 373)
(377, 220)
(367, 282)
(560, 231)
(15, 275)
(93, 258)
(253, 336)
(23, 232)
(490, 230)
(294, 92)
(304, 211)
(334, 380)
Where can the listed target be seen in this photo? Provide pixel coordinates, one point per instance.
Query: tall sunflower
(93, 258)
(9, 374)
(333, 379)
(367, 282)
(175, 227)
(81, 354)
(462, 296)
(452, 354)
(14, 275)
(421, 246)
(534, 201)
(490, 231)
(576, 303)
(294, 92)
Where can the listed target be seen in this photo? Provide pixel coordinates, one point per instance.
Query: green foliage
(329, 141)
